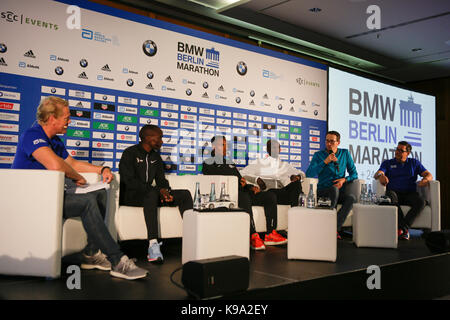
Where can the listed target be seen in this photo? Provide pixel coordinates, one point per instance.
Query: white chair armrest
(355, 187)
(378, 188)
(432, 194)
(306, 182)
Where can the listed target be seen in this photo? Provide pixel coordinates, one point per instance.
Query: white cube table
(375, 226)
(312, 234)
(209, 235)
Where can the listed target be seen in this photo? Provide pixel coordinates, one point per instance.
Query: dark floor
(268, 269)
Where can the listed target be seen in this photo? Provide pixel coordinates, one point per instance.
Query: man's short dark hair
(218, 137)
(145, 130)
(406, 144)
(338, 136)
(269, 145)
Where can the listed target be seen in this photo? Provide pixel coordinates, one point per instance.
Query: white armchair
(33, 234)
(430, 218)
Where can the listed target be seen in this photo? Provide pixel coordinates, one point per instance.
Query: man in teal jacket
(329, 167)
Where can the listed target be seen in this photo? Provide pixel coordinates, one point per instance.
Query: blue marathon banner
(120, 71)
(373, 117)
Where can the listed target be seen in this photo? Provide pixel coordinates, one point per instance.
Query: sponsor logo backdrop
(120, 71)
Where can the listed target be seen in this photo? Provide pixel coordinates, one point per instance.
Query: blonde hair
(50, 106)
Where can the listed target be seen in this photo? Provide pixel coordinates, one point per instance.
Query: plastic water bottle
(369, 194)
(212, 194)
(222, 192)
(363, 195)
(302, 200)
(197, 196)
(310, 203)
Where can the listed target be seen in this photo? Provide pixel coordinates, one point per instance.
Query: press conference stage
(411, 271)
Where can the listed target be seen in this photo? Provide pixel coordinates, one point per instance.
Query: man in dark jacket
(139, 166)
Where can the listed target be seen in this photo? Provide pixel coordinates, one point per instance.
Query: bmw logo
(103, 135)
(3, 48)
(127, 128)
(205, 85)
(292, 100)
(59, 70)
(252, 93)
(83, 63)
(130, 82)
(149, 103)
(149, 48)
(188, 92)
(241, 68)
(238, 100)
(78, 143)
(150, 75)
(53, 90)
(316, 112)
(280, 107)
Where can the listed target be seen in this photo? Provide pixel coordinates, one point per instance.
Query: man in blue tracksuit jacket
(329, 167)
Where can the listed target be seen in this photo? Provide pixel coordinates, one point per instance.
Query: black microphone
(335, 162)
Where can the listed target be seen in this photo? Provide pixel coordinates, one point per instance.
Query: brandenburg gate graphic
(213, 56)
(410, 113)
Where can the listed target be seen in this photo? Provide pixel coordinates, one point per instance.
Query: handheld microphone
(335, 162)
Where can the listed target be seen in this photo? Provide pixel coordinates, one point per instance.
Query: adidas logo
(265, 96)
(149, 86)
(205, 95)
(82, 75)
(168, 79)
(29, 54)
(221, 88)
(106, 68)
(2, 62)
(252, 103)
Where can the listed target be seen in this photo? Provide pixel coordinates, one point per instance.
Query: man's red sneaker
(274, 239)
(256, 243)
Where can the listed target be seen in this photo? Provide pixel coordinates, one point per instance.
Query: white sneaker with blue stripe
(154, 253)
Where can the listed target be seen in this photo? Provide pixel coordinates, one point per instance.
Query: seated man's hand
(261, 184)
(339, 183)
(243, 182)
(383, 180)
(256, 189)
(165, 195)
(295, 178)
(107, 175)
(80, 182)
(423, 183)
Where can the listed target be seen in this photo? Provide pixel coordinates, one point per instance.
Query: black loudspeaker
(216, 277)
(438, 241)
